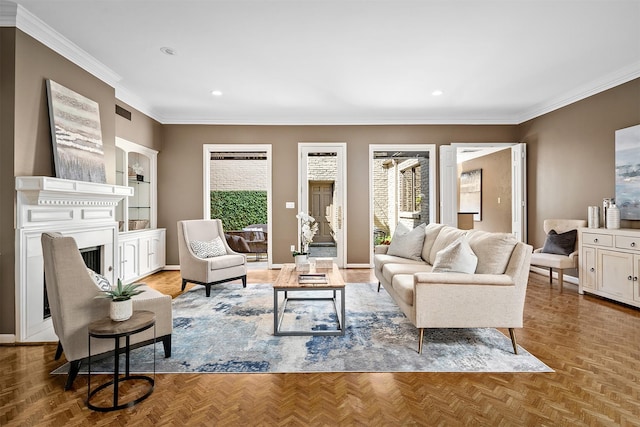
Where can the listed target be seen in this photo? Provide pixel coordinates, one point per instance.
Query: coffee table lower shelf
(278, 314)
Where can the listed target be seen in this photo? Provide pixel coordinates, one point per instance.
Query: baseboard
(545, 272)
(358, 266)
(7, 338)
(171, 267)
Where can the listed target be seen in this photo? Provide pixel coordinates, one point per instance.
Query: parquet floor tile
(592, 344)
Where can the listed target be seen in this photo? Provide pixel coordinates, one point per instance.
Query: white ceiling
(347, 61)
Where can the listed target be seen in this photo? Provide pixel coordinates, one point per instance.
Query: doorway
(401, 189)
(237, 190)
(322, 192)
(450, 175)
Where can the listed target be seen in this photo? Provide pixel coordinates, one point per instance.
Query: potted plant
(121, 307)
(308, 229)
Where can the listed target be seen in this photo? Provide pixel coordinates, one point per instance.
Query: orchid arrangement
(308, 229)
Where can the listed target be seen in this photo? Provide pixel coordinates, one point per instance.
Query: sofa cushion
(402, 284)
(380, 260)
(226, 261)
(389, 271)
(560, 244)
(408, 245)
(458, 257)
(492, 249)
(446, 236)
(431, 231)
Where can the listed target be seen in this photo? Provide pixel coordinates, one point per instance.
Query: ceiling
(346, 61)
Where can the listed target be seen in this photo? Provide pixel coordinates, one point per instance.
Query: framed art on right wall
(628, 172)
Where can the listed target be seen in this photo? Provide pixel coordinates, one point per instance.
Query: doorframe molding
(327, 147)
(207, 149)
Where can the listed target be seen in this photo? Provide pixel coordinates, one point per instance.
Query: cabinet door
(636, 278)
(615, 274)
(151, 253)
(128, 260)
(588, 275)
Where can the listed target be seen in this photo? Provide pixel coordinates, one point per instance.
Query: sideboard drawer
(628, 242)
(597, 239)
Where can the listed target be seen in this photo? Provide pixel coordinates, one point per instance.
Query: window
(410, 187)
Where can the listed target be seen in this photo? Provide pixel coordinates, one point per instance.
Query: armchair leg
(58, 351)
(166, 343)
(184, 284)
(420, 339)
(550, 276)
(512, 332)
(244, 281)
(378, 286)
(74, 368)
(561, 279)
(208, 290)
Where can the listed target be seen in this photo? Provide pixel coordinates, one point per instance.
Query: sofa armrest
(380, 249)
(463, 279)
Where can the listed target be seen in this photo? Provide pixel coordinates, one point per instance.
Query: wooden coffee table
(287, 281)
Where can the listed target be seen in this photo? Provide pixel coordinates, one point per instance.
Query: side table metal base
(123, 405)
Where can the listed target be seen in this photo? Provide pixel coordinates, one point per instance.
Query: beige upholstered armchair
(71, 291)
(560, 262)
(205, 257)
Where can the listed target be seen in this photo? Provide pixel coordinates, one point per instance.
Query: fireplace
(92, 259)
(82, 210)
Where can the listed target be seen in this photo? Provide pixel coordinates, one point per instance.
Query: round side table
(107, 328)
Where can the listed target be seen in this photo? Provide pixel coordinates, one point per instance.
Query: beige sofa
(491, 296)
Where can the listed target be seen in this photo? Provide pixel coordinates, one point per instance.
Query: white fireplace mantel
(83, 210)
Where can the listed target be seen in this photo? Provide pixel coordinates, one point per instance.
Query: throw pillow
(458, 257)
(209, 249)
(408, 245)
(560, 244)
(99, 280)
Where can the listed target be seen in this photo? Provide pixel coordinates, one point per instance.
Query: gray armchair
(212, 270)
(557, 261)
(72, 291)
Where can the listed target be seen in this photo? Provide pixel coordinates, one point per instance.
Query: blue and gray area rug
(232, 331)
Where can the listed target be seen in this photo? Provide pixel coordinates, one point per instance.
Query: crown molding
(616, 78)
(138, 103)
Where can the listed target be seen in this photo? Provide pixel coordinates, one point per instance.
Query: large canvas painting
(628, 172)
(471, 193)
(76, 134)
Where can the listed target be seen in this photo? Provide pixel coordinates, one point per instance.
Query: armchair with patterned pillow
(205, 256)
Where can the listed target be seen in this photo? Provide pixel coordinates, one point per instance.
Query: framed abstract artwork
(76, 135)
(628, 172)
(471, 193)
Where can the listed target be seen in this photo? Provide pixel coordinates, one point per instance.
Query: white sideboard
(609, 264)
(141, 253)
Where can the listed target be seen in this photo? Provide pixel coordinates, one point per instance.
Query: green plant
(237, 209)
(122, 293)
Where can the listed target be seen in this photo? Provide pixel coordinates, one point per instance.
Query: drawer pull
(629, 278)
(592, 269)
(635, 278)
(633, 244)
(595, 240)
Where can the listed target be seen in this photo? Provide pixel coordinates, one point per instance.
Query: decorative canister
(613, 217)
(593, 218)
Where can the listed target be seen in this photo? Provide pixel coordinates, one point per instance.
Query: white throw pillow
(408, 245)
(99, 280)
(458, 257)
(210, 249)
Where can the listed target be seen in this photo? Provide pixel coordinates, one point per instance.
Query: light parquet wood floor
(592, 344)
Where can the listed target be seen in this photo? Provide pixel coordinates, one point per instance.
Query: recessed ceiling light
(216, 92)
(436, 92)
(168, 51)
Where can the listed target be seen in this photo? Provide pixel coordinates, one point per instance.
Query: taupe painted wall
(496, 183)
(571, 155)
(141, 129)
(7, 245)
(180, 163)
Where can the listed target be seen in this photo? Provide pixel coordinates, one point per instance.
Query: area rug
(232, 331)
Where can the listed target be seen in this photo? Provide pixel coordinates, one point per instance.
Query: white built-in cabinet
(609, 263)
(141, 245)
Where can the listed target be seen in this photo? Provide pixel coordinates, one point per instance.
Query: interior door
(325, 163)
(449, 184)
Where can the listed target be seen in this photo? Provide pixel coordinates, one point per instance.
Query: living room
(570, 149)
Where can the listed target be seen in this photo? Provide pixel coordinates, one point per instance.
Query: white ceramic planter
(121, 310)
